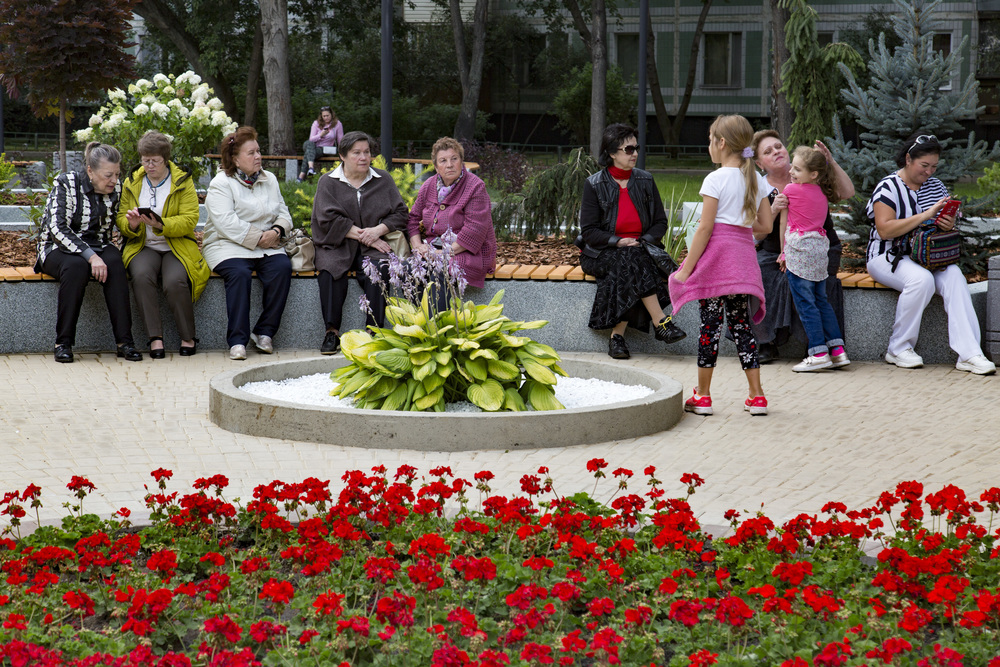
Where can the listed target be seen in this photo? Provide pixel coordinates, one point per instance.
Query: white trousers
(916, 285)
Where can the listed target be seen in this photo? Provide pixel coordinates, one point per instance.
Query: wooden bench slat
(576, 274)
(559, 272)
(542, 272)
(867, 282)
(852, 280)
(10, 274)
(28, 273)
(505, 272)
(524, 271)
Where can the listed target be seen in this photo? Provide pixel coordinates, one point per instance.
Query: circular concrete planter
(236, 410)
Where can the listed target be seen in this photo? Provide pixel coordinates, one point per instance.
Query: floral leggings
(737, 312)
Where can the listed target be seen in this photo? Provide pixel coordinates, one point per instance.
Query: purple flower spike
(365, 305)
(371, 270)
(396, 271)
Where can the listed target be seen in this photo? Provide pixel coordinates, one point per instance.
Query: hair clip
(747, 152)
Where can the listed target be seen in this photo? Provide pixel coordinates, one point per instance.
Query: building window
(722, 59)
(824, 38)
(628, 56)
(942, 46)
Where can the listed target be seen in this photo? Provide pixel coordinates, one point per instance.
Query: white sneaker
(978, 364)
(264, 344)
(905, 359)
(811, 363)
(238, 352)
(840, 360)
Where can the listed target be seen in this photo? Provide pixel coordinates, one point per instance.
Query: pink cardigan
(466, 210)
(728, 266)
(332, 138)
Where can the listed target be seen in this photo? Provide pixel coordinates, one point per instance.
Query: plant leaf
(542, 397)
(503, 371)
(539, 372)
(489, 395)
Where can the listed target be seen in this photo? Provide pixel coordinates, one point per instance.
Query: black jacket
(599, 211)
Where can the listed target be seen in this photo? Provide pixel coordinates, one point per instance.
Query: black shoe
(64, 354)
(190, 351)
(156, 354)
(331, 343)
(129, 353)
(617, 349)
(767, 353)
(668, 332)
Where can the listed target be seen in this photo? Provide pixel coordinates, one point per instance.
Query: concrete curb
(236, 410)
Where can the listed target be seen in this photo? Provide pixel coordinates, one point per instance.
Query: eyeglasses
(922, 139)
(630, 149)
(151, 161)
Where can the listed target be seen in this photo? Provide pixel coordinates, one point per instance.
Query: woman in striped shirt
(900, 202)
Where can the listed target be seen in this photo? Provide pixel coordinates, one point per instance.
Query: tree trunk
(160, 15)
(253, 77)
(653, 76)
(465, 126)
(62, 135)
(781, 110)
(578, 22)
(599, 82)
(458, 33)
(274, 28)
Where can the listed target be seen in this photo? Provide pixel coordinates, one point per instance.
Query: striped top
(893, 192)
(77, 219)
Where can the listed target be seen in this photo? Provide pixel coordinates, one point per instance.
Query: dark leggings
(737, 312)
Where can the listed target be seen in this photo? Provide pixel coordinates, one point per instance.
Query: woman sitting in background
(455, 199)
(621, 210)
(75, 244)
(160, 242)
(326, 132)
(247, 219)
(356, 205)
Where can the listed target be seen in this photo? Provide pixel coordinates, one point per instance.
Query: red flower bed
(396, 569)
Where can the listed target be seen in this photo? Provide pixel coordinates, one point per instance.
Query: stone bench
(561, 294)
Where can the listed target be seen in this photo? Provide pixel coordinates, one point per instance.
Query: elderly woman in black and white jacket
(75, 245)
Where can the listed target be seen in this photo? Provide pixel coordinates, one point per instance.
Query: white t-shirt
(728, 186)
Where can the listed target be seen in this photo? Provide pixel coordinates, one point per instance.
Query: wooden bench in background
(292, 163)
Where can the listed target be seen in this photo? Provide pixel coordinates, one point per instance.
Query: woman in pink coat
(456, 200)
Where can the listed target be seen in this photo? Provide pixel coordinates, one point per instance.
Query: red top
(628, 224)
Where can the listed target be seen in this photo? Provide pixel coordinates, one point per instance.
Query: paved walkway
(845, 435)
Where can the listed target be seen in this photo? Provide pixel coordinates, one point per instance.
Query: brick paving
(844, 435)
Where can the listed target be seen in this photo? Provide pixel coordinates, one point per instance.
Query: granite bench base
(28, 314)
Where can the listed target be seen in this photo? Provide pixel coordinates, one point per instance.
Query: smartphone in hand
(949, 209)
(148, 212)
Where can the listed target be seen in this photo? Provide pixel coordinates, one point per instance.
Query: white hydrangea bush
(181, 107)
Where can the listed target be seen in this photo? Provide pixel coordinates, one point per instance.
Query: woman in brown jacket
(355, 207)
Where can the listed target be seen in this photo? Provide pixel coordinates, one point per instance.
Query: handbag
(300, 249)
(397, 241)
(934, 248)
(661, 258)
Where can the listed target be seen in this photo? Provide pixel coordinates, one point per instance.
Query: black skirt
(624, 277)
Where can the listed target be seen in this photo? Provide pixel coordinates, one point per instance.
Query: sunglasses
(630, 149)
(923, 139)
(325, 109)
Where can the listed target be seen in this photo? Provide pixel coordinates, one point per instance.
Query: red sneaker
(700, 405)
(756, 405)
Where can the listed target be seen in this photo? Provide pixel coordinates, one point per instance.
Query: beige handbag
(398, 243)
(301, 251)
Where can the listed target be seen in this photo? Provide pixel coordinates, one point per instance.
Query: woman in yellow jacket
(157, 217)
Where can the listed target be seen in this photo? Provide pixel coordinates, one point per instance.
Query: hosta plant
(426, 359)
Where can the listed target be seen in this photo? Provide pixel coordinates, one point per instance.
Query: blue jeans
(818, 318)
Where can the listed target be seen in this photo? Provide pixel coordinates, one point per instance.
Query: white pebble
(571, 392)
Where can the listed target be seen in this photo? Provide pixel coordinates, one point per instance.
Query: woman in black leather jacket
(621, 214)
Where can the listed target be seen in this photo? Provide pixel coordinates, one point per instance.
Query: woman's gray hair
(351, 138)
(96, 153)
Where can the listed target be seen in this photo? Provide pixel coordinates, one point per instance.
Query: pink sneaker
(756, 405)
(700, 405)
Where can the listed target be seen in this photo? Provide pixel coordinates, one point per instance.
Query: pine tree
(910, 92)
